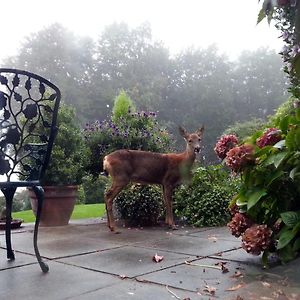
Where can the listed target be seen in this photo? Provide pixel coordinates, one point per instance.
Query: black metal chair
(28, 112)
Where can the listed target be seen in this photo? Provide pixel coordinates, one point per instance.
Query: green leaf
(296, 246)
(285, 238)
(261, 15)
(275, 159)
(287, 254)
(290, 218)
(284, 123)
(294, 173)
(278, 158)
(290, 140)
(297, 137)
(297, 113)
(254, 196)
(273, 176)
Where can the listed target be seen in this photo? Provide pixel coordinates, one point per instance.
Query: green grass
(81, 211)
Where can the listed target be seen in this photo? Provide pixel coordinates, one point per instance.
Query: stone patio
(88, 262)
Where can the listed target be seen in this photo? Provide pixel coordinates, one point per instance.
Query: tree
(129, 59)
(64, 58)
(200, 92)
(259, 85)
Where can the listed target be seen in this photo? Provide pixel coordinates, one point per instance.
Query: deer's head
(193, 140)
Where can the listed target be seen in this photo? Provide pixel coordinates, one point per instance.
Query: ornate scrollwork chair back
(28, 115)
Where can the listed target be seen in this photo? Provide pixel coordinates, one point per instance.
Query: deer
(144, 167)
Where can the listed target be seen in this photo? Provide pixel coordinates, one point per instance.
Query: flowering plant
(266, 211)
(239, 157)
(224, 144)
(268, 214)
(270, 137)
(126, 129)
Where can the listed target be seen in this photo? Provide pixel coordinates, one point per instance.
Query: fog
(179, 24)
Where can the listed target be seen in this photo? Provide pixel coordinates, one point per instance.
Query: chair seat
(17, 184)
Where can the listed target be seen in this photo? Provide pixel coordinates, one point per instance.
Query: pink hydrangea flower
(270, 137)
(224, 144)
(239, 157)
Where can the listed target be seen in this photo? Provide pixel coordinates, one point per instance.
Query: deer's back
(137, 166)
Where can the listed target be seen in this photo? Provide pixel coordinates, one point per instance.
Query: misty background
(189, 84)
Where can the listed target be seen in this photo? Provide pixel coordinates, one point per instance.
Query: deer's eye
(190, 141)
(199, 140)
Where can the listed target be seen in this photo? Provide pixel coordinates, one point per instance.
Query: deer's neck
(189, 156)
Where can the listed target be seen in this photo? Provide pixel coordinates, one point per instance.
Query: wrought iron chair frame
(9, 187)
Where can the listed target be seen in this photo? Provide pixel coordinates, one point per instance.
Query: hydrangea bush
(266, 211)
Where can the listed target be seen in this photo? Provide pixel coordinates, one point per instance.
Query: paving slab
(195, 278)
(191, 245)
(240, 255)
(21, 260)
(61, 282)
(240, 280)
(217, 233)
(132, 290)
(55, 246)
(127, 261)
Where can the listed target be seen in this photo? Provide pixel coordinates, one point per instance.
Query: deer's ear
(182, 131)
(200, 131)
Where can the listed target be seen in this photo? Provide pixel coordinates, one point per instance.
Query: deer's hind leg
(109, 197)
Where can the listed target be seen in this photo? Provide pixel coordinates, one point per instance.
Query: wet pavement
(88, 262)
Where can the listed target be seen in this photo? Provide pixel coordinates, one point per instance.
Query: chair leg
(39, 191)
(9, 195)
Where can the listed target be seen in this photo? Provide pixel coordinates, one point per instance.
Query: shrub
(68, 157)
(123, 105)
(270, 193)
(69, 153)
(129, 130)
(205, 202)
(245, 129)
(93, 189)
(140, 205)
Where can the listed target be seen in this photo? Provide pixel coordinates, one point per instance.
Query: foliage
(138, 130)
(196, 86)
(286, 15)
(245, 129)
(93, 189)
(205, 201)
(284, 109)
(268, 201)
(123, 104)
(140, 205)
(270, 189)
(20, 202)
(68, 158)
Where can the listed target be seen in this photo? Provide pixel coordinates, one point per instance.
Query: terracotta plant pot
(58, 204)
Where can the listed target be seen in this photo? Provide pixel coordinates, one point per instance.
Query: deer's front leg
(168, 191)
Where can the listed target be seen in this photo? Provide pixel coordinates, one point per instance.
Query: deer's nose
(197, 149)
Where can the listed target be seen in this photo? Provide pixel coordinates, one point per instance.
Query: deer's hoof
(111, 228)
(173, 227)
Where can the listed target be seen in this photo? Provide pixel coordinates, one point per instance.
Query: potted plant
(64, 173)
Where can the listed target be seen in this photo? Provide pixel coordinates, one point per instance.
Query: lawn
(81, 211)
